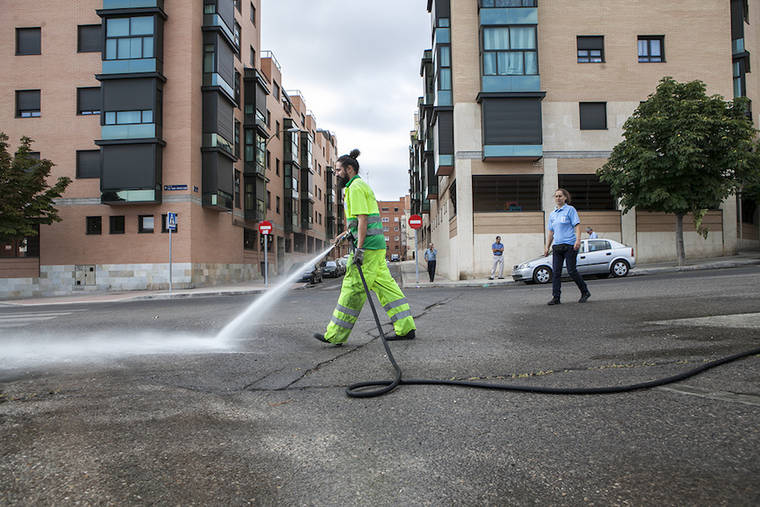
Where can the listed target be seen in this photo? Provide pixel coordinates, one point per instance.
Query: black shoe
(408, 336)
(501, 278)
(322, 338)
(584, 297)
(554, 301)
(490, 278)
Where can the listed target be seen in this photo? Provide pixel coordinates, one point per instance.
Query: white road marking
(21, 319)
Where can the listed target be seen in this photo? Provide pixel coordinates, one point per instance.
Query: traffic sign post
(171, 225)
(415, 222)
(265, 229)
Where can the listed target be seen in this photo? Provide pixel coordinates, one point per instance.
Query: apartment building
(394, 227)
(521, 97)
(158, 106)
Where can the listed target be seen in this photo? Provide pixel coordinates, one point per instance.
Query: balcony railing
(132, 4)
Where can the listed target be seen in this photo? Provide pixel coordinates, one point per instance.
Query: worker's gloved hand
(359, 256)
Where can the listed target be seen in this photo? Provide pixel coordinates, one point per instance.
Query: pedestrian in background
(498, 258)
(430, 256)
(564, 230)
(591, 233)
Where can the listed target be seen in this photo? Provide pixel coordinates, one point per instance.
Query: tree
(683, 152)
(26, 200)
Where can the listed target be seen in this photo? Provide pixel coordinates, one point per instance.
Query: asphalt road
(138, 402)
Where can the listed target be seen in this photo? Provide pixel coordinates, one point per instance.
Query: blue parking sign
(171, 221)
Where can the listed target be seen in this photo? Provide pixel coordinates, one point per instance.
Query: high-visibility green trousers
(352, 297)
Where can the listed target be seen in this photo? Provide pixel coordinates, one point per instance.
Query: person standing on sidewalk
(591, 233)
(498, 258)
(366, 230)
(564, 229)
(430, 256)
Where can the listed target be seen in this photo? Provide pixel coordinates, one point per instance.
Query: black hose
(358, 390)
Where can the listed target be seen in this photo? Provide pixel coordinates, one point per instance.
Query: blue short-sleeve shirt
(497, 248)
(563, 221)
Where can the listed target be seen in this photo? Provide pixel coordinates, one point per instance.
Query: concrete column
(551, 183)
(628, 228)
(730, 226)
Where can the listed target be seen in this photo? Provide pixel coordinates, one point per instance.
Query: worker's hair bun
(354, 153)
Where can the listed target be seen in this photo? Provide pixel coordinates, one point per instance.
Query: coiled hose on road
(359, 390)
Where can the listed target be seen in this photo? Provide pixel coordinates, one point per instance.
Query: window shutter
(88, 99)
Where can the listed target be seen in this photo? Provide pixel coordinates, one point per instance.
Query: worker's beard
(342, 181)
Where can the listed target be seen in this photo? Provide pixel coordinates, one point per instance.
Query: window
(269, 159)
(129, 38)
(269, 119)
(385, 209)
(507, 3)
(396, 211)
(277, 204)
(128, 117)
(116, 224)
(237, 88)
(27, 103)
(512, 121)
(386, 219)
(28, 41)
(237, 139)
(164, 229)
(145, 224)
(238, 5)
(506, 193)
(651, 48)
(269, 199)
(593, 115)
(510, 51)
(26, 247)
(596, 245)
(253, 14)
(94, 225)
(277, 128)
(444, 67)
(276, 91)
(589, 194)
(277, 166)
(253, 57)
(237, 189)
(88, 101)
(590, 49)
(89, 39)
(386, 229)
(395, 219)
(740, 76)
(88, 164)
(209, 58)
(237, 39)
(249, 239)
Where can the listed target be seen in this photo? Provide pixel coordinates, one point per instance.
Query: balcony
(132, 4)
(214, 79)
(132, 66)
(135, 131)
(214, 20)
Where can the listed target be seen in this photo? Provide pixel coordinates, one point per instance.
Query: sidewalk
(408, 277)
(746, 258)
(242, 288)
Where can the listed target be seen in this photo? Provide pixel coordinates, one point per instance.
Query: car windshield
(331, 264)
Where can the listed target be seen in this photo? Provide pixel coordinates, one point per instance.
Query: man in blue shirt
(564, 229)
(430, 256)
(498, 258)
(591, 233)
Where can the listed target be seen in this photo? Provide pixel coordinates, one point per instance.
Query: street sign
(171, 221)
(415, 222)
(265, 227)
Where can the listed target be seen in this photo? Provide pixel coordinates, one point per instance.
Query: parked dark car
(332, 269)
(311, 274)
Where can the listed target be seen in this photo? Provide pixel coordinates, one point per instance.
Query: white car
(595, 257)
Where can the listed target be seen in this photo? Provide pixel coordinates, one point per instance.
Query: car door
(596, 258)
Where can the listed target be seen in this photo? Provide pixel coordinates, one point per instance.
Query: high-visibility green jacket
(360, 200)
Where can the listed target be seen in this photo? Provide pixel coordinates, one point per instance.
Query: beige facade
(504, 188)
(213, 244)
(394, 227)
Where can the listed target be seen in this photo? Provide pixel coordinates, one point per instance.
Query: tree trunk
(679, 241)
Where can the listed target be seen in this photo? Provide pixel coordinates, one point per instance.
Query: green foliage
(683, 152)
(26, 200)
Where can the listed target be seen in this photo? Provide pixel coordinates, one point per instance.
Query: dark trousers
(431, 270)
(568, 255)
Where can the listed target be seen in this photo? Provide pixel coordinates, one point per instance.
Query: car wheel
(619, 268)
(542, 274)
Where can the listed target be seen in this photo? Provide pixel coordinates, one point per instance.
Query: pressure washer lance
(358, 390)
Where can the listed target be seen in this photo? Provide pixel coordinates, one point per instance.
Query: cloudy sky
(357, 63)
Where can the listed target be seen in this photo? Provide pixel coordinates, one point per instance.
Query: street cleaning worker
(366, 229)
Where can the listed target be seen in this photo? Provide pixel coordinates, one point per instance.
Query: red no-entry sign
(265, 227)
(415, 221)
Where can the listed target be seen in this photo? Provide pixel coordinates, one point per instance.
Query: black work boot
(554, 301)
(408, 336)
(322, 338)
(584, 297)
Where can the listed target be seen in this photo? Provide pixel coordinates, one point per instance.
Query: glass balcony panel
(129, 66)
(138, 131)
(131, 4)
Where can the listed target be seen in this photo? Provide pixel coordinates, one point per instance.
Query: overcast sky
(357, 63)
